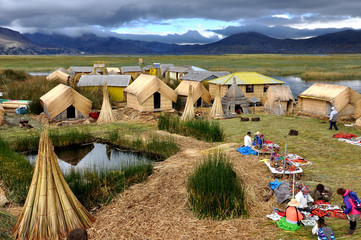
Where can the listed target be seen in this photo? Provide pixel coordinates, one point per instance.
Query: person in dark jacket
(322, 193)
(333, 118)
(350, 209)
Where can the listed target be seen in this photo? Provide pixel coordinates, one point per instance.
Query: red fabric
(337, 213)
(94, 115)
(344, 135)
(265, 141)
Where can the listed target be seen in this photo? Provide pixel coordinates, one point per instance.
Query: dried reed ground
(157, 208)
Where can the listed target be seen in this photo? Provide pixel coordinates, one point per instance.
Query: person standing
(333, 118)
(350, 209)
(259, 140)
(248, 140)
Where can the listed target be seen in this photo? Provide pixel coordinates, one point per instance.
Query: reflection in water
(298, 85)
(95, 156)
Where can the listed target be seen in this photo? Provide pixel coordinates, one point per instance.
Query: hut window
(249, 88)
(156, 100)
(265, 88)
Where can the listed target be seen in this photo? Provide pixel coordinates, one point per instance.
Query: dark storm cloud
(48, 15)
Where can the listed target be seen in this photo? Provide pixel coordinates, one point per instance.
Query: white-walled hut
(200, 93)
(320, 97)
(63, 102)
(278, 100)
(148, 93)
(235, 101)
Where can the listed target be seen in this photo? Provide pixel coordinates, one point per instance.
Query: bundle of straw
(188, 113)
(2, 112)
(217, 110)
(106, 114)
(51, 209)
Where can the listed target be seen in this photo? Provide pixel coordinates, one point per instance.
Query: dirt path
(157, 208)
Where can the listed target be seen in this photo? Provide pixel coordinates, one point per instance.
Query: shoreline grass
(214, 191)
(206, 130)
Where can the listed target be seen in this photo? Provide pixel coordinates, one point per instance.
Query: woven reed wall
(132, 102)
(341, 100)
(314, 106)
(165, 103)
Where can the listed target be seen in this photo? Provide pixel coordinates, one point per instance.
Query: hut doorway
(70, 112)
(156, 100)
(199, 102)
(238, 109)
(289, 106)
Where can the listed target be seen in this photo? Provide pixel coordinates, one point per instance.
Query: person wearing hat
(259, 140)
(248, 140)
(333, 118)
(291, 221)
(304, 197)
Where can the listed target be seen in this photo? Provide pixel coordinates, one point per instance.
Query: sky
(181, 21)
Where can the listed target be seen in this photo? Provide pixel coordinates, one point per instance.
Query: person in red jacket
(350, 209)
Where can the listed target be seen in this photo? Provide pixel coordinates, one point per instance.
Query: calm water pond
(298, 85)
(95, 156)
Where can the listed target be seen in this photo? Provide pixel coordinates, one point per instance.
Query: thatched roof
(234, 92)
(126, 69)
(51, 209)
(245, 78)
(278, 92)
(200, 76)
(60, 98)
(145, 86)
(323, 91)
(60, 74)
(100, 80)
(164, 67)
(198, 90)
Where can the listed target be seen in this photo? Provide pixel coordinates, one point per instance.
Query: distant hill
(12, 42)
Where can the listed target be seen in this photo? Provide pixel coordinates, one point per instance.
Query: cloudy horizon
(188, 21)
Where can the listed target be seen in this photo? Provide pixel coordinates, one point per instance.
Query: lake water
(95, 156)
(298, 85)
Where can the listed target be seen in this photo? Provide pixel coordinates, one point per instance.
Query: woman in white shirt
(304, 197)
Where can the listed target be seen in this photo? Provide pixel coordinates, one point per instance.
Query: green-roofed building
(252, 84)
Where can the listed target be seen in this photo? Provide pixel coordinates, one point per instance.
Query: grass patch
(209, 131)
(214, 191)
(156, 147)
(94, 188)
(7, 223)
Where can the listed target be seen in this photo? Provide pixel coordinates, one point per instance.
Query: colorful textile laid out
(344, 135)
(352, 141)
(325, 209)
(297, 160)
(246, 150)
(276, 167)
(270, 145)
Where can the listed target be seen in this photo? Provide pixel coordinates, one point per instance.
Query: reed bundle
(2, 112)
(188, 113)
(106, 114)
(51, 210)
(217, 110)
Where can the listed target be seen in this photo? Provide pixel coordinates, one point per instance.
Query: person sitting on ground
(304, 198)
(291, 221)
(324, 232)
(259, 140)
(322, 193)
(248, 140)
(333, 118)
(275, 155)
(350, 209)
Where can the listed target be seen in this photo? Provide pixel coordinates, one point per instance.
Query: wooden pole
(284, 161)
(293, 186)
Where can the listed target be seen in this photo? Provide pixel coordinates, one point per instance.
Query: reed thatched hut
(62, 75)
(278, 100)
(320, 97)
(148, 93)
(51, 209)
(252, 84)
(133, 71)
(234, 100)
(200, 93)
(116, 84)
(63, 102)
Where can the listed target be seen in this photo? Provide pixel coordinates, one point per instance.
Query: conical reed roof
(188, 113)
(217, 110)
(51, 209)
(106, 114)
(234, 93)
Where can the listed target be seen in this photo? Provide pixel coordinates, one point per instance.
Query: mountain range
(15, 43)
